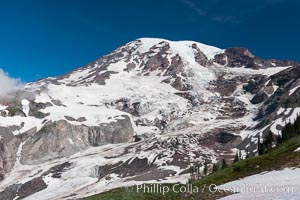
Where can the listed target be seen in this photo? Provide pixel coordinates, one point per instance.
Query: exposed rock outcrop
(8, 150)
(242, 57)
(62, 139)
(200, 57)
(20, 191)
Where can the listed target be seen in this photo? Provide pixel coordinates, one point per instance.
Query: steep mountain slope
(144, 112)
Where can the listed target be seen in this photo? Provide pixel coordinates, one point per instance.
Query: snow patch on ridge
(284, 120)
(293, 90)
(209, 51)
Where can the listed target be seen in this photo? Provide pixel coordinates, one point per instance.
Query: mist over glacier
(8, 84)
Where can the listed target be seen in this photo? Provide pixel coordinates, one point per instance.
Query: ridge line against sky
(52, 37)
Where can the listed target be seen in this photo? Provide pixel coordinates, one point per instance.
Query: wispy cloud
(267, 3)
(195, 7)
(8, 84)
(272, 2)
(232, 12)
(224, 19)
(203, 13)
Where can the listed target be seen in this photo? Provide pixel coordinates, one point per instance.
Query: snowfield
(279, 185)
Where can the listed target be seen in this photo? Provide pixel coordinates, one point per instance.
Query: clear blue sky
(40, 38)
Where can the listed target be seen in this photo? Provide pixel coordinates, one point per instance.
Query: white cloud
(195, 8)
(203, 13)
(8, 84)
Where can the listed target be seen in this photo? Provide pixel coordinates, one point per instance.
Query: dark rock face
(57, 102)
(31, 187)
(130, 66)
(125, 169)
(124, 104)
(286, 77)
(8, 149)
(80, 119)
(284, 62)
(15, 111)
(269, 89)
(51, 142)
(286, 80)
(200, 57)
(176, 66)
(61, 139)
(226, 87)
(192, 98)
(38, 114)
(179, 84)
(258, 98)
(234, 108)
(3, 114)
(57, 170)
(38, 106)
(35, 109)
(242, 57)
(70, 118)
(115, 132)
(100, 79)
(256, 84)
(20, 191)
(158, 61)
(236, 57)
(224, 137)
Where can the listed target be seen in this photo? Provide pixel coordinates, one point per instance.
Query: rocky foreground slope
(143, 113)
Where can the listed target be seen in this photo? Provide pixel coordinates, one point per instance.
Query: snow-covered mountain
(143, 113)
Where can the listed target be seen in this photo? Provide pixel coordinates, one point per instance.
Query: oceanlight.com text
(213, 188)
